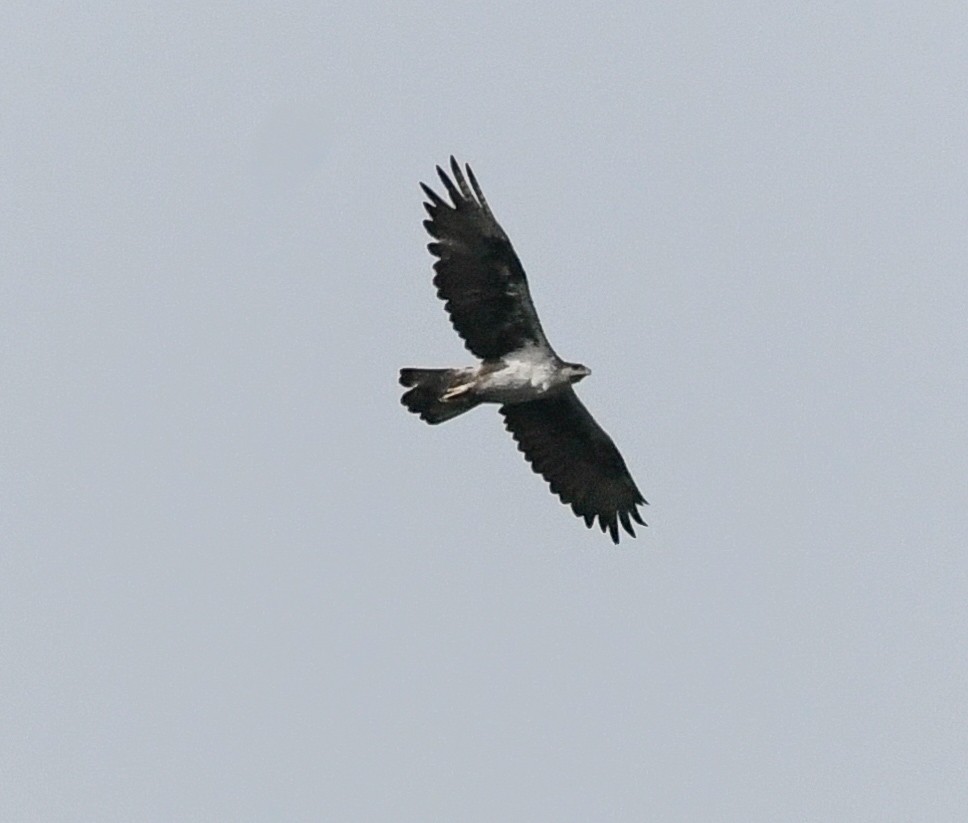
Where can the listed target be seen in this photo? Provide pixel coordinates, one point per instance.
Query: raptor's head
(576, 371)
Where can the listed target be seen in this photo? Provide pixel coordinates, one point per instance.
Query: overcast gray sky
(239, 582)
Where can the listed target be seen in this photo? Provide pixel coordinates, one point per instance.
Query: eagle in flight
(485, 292)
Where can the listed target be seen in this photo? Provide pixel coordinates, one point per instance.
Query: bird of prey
(485, 292)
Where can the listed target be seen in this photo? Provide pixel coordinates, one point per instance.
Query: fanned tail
(427, 390)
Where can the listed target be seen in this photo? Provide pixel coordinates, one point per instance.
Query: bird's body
(523, 375)
(486, 294)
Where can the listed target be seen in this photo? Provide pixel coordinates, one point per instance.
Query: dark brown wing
(565, 445)
(479, 277)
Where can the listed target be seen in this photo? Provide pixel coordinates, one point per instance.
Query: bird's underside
(485, 292)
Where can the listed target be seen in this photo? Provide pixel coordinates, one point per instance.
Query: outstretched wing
(564, 444)
(479, 277)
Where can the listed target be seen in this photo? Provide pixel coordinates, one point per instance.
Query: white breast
(525, 375)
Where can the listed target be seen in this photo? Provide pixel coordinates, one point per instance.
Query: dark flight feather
(564, 444)
(478, 274)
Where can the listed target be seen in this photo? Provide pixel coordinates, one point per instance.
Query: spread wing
(564, 444)
(479, 276)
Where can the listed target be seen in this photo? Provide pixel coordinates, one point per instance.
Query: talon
(457, 391)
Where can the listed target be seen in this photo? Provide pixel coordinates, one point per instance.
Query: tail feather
(427, 387)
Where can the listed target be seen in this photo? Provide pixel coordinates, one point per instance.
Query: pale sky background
(239, 582)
